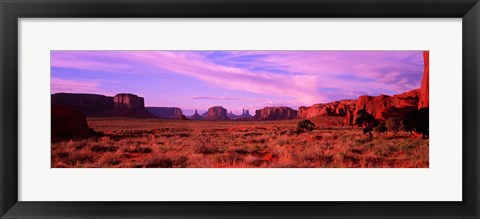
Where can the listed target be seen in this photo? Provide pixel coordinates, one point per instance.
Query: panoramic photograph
(239, 109)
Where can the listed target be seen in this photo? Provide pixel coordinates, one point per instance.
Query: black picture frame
(12, 10)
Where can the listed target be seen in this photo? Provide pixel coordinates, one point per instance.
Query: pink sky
(237, 79)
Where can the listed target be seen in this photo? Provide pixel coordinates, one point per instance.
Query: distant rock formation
(128, 101)
(231, 115)
(195, 116)
(89, 104)
(94, 105)
(275, 113)
(424, 94)
(216, 113)
(244, 116)
(337, 108)
(383, 107)
(166, 112)
(69, 123)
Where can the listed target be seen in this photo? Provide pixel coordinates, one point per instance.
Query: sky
(236, 80)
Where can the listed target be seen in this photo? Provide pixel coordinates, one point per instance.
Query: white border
(440, 182)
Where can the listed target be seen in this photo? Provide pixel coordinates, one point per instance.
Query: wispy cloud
(213, 98)
(74, 86)
(254, 100)
(300, 75)
(193, 64)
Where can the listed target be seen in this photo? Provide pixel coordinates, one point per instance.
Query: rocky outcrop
(424, 94)
(69, 123)
(93, 105)
(231, 116)
(244, 116)
(383, 107)
(166, 112)
(128, 101)
(132, 113)
(349, 118)
(337, 108)
(275, 113)
(195, 116)
(88, 104)
(216, 113)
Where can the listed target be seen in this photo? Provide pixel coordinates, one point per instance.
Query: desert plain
(163, 143)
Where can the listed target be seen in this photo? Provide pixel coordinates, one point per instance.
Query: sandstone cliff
(275, 113)
(93, 105)
(337, 108)
(244, 116)
(166, 112)
(196, 116)
(348, 120)
(383, 107)
(128, 101)
(68, 123)
(88, 104)
(424, 94)
(216, 113)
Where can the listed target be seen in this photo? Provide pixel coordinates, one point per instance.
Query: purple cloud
(298, 76)
(74, 86)
(213, 98)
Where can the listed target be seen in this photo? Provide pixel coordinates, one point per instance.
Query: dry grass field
(155, 143)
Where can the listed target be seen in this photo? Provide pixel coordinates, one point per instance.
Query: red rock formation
(166, 112)
(275, 113)
(424, 94)
(128, 101)
(231, 115)
(132, 113)
(196, 116)
(244, 116)
(217, 113)
(93, 105)
(382, 107)
(337, 108)
(69, 123)
(348, 118)
(83, 102)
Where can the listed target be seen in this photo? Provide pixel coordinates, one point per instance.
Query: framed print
(199, 130)
(239, 109)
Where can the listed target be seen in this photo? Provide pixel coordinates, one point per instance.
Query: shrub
(208, 150)
(381, 128)
(367, 121)
(110, 159)
(417, 121)
(305, 125)
(159, 162)
(395, 125)
(79, 158)
(99, 148)
(137, 149)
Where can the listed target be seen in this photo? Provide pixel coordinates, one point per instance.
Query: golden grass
(154, 143)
